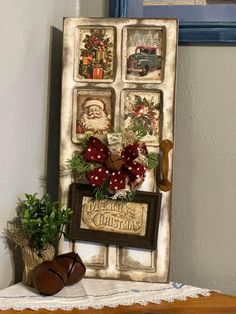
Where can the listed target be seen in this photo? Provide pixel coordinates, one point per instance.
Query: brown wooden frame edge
(149, 241)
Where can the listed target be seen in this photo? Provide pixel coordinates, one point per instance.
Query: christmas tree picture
(96, 54)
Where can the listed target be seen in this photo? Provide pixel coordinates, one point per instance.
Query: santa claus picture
(93, 117)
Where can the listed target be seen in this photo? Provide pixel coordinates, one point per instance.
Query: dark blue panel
(199, 24)
(113, 8)
(118, 8)
(134, 8)
(192, 13)
(207, 33)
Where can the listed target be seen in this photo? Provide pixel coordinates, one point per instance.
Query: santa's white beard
(96, 125)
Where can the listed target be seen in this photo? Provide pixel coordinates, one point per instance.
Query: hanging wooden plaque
(120, 73)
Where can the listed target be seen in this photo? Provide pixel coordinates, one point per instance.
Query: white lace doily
(96, 293)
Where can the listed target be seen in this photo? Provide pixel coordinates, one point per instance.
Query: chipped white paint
(158, 270)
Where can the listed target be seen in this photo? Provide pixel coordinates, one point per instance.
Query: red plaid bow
(131, 171)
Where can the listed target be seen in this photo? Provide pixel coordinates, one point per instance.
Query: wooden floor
(216, 303)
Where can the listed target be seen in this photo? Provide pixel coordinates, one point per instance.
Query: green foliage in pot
(42, 220)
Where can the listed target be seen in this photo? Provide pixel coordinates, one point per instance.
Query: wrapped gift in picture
(85, 70)
(101, 56)
(87, 60)
(97, 73)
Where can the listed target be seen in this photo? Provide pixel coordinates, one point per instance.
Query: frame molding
(76, 232)
(190, 33)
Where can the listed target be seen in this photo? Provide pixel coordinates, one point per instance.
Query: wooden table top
(216, 303)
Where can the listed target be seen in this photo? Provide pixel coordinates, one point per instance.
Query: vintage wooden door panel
(109, 261)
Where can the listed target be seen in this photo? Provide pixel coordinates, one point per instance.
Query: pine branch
(77, 163)
(101, 192)
(153, 160)
(128, 197)
(140, 131)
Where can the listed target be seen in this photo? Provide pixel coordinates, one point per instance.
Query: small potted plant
(37, 229)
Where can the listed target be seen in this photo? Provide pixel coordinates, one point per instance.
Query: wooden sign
(119, 74)
(133, 224)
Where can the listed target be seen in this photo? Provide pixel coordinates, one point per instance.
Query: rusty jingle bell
(113, 162)
(50, 277)
(74, 266)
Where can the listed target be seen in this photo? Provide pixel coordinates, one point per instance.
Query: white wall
(24, 63)
(94, 8)
(204, 202)
(24, 80)
(204, 198)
